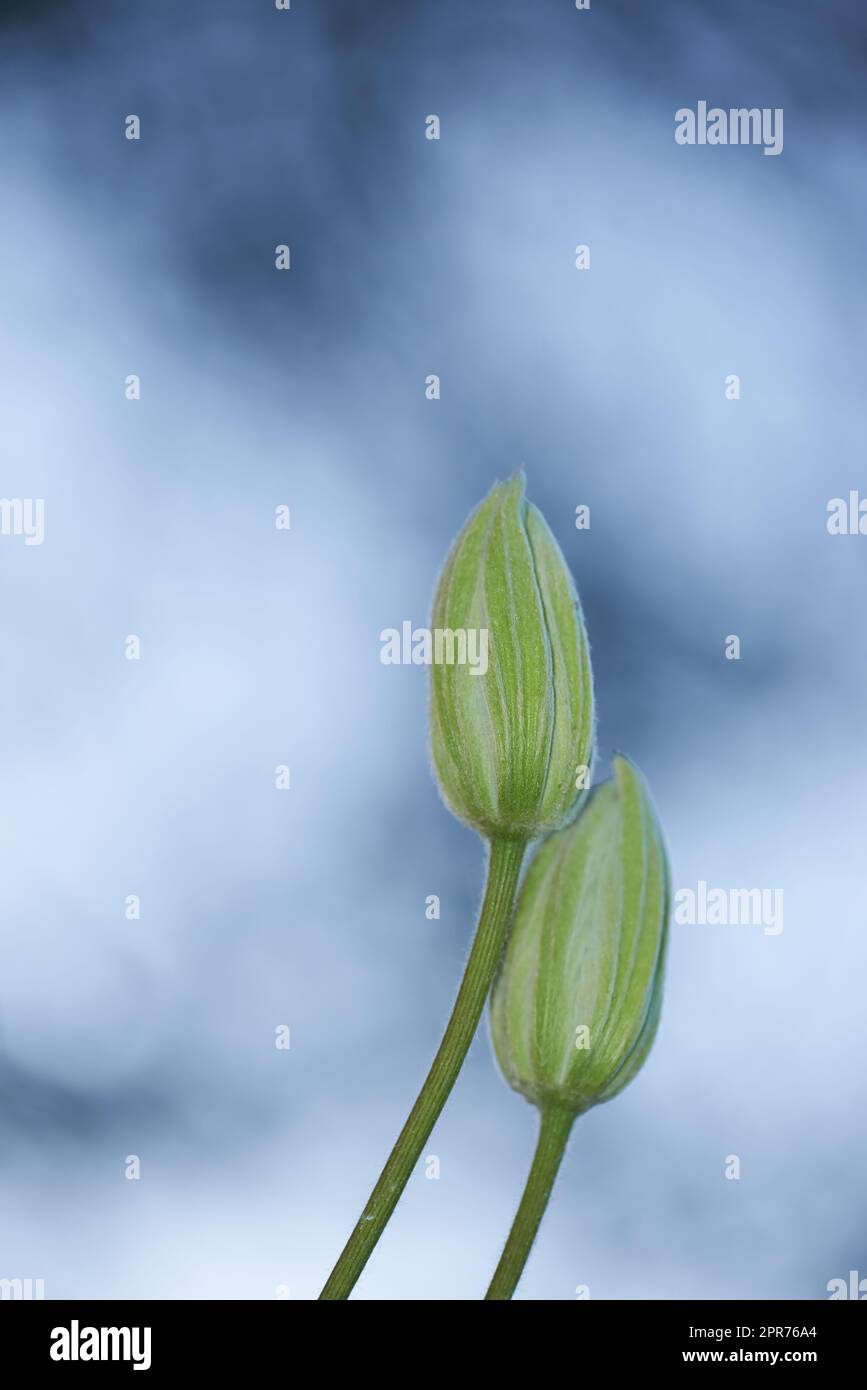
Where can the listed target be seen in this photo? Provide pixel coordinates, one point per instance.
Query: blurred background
(260, 647)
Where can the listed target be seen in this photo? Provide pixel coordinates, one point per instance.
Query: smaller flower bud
(511, 743)
(576, 1003)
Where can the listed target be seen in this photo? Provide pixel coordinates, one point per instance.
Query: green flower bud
(576, 1003)
(511, 738)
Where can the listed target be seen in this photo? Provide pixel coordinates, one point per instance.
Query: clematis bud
(576, 1003)
(512, 745)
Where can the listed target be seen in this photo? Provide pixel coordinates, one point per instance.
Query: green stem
(554, 1129)
(504, 867)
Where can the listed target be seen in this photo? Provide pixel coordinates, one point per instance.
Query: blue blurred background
(261, 647)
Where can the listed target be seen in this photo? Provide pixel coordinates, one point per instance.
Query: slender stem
(504, 867)
(554, 1129)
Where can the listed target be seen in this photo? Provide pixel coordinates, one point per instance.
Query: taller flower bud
(511, 738)
(576, 1004)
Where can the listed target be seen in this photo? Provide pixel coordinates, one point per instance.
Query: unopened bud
(576, 1004)
(506, 742)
